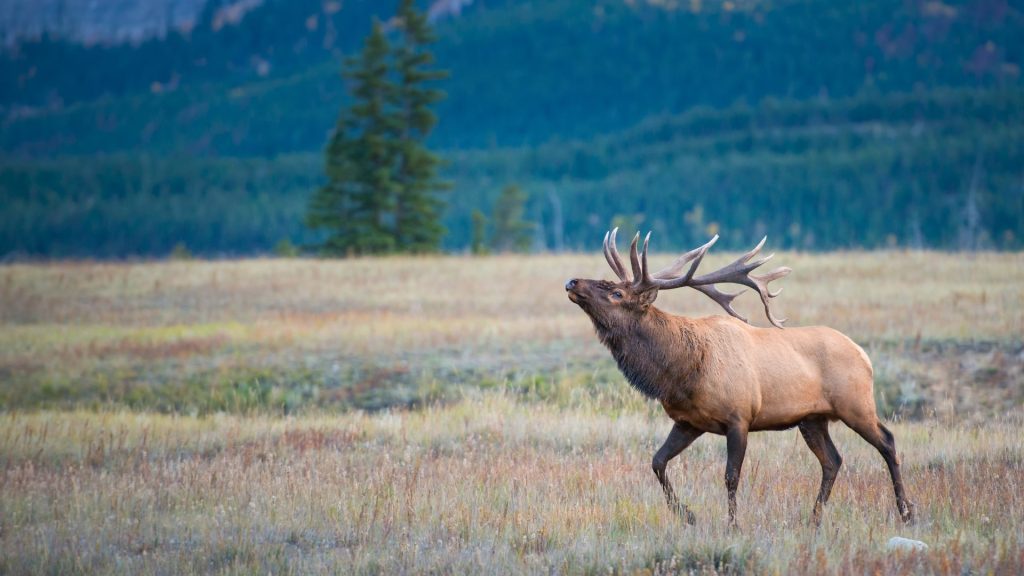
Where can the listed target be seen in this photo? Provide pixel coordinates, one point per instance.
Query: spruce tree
(511, 232)
(332, 207)
(418, 207)
(382, 189)
(476, 245)
(357, 204)
(375, 149)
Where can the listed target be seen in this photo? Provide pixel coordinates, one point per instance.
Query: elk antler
(611, 254)
(738, 272)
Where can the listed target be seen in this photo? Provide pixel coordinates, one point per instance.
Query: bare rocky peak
(441, 9)
(99, 21)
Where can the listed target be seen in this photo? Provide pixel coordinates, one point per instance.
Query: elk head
(610, 303)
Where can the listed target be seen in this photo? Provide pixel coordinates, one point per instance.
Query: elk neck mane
(660, 354)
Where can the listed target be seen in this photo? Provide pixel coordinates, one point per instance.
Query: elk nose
(570, 284)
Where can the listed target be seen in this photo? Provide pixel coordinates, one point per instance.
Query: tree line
(874, 171)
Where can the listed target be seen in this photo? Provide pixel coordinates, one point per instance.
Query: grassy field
(458, 415)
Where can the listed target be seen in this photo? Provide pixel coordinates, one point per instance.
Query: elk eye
(617, 295)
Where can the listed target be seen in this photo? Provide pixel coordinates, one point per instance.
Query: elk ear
(647, 297)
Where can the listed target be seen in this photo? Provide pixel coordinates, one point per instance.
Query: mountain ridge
(523, 73)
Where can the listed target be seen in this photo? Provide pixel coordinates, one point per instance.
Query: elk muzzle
(571, 287)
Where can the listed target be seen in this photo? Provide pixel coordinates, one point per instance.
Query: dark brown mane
(645, 348)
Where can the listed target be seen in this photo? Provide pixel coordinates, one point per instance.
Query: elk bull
(720, 375)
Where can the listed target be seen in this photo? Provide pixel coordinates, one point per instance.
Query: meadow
(455, 414)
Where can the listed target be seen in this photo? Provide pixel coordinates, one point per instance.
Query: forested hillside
(522, 72)
(938, 170)
(825, 124)
(942, 169)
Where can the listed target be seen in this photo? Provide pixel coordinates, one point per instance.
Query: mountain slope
(522, 72)
(873, 171)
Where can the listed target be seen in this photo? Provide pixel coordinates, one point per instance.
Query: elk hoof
(685, 514)
(816, 516)
(907, 512)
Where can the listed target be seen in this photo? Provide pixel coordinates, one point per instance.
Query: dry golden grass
(488, 485)
(540, 462)
(437, 301)
(74, 334)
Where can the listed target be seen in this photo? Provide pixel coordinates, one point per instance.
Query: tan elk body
(721, 375)
(769, 379)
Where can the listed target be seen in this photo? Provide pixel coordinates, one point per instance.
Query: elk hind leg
(736, 445)
(681, 436)
(876, 434)
(815, 433)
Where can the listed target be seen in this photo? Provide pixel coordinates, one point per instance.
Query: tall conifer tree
(418, 206)
(357, 203)
(383, 191)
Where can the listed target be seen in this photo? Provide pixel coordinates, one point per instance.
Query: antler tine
(774, 275)
(664, 282)
(723, 299)
(761, 283)
(645, 277)
(673, 270)
(607, 254)
(611, 254)
(634, 259)
(738, 269)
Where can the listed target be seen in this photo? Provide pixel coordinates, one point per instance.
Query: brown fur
(722, 376)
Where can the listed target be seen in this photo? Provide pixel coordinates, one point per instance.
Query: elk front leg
(736, 444)
(681, 436)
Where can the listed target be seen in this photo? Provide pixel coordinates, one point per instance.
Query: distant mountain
(92, 22)
(522, 72)
(115, 21)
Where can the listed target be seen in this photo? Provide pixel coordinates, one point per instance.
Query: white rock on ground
(899, 543)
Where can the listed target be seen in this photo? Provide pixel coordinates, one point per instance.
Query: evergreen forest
(826, 125)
